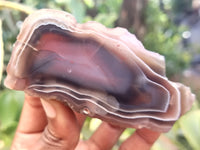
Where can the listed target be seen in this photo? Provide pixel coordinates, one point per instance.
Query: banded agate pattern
(101, 72)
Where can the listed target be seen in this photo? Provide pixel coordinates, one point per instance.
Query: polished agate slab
(100, 72)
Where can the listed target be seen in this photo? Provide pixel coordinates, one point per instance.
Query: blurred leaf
(106, 19)
(7, 134)
(164, 143)
(164, 37)
(190, 125)
(94, 124)
(6, 141)
(10, 129)
(86, 133)
(10, 108)
(16, 6)
(1, 51)
(113, 5)
(127, 133)
(89, 3)
(78, 9)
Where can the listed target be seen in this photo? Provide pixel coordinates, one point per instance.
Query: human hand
(52, 125)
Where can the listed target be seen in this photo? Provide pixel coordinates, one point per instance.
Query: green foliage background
(162, 36)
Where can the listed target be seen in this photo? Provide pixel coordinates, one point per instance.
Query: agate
(100, 72)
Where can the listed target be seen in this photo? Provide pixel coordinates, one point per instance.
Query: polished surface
(100, 72)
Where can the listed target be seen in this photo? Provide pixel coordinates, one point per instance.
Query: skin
(46, 124)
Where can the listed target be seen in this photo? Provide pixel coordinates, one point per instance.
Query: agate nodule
(101, 72)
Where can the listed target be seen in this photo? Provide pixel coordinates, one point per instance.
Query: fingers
(80, 118)
(32, 123)
(142, 139)
(59, 117)
(104, 138)
(33, 118)
(47, 125)
(63, 129)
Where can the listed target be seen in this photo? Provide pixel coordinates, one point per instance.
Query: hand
(50, 125)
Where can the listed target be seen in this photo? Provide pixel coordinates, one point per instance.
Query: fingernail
(48, 108)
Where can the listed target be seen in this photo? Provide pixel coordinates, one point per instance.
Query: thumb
(63, 130)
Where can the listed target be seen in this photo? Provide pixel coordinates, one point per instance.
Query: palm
(51, 125)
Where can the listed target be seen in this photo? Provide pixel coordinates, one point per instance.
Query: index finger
(33, 118)
(142, 139)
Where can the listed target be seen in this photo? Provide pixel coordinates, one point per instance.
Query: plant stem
(16, 6)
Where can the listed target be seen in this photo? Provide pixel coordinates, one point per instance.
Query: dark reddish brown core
(86, 63)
